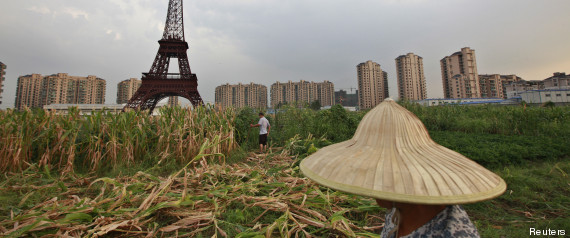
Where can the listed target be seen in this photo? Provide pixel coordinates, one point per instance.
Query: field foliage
(330, 126)
(499, 135)
(491, 135)
(193, 172)
(493, 119)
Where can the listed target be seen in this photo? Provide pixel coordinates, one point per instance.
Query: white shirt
(263, 124)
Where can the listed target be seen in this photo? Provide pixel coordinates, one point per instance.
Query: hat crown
(391, 125)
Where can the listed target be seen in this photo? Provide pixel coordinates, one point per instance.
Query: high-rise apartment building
(2, 78)
(36, 90)
(459, 75)
(173, 101)
(386, 92)
(302, 92)
(411, 79)
(126, 89)
(372, 84)
(241, 95)
(28, 92)
(495, 85)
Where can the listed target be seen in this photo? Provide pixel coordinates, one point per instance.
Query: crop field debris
(264, 197)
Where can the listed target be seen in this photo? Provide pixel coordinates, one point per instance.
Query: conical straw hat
(391, 157)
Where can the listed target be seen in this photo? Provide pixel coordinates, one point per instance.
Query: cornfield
(103, 141)
(190, 173)
(262, 197)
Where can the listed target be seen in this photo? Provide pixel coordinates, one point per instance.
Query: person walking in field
(264, 128)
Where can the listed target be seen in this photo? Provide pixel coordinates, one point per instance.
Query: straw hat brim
(402, 197)
(391, 157)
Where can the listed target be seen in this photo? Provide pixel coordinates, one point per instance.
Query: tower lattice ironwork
(158, 84)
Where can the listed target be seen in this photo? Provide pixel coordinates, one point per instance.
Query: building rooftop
(483, 102)
(430, 99)
(84, 106)
(547, 90)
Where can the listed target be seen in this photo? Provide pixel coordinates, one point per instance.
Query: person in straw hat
(392, 158)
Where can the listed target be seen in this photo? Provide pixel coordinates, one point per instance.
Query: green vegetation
(496, 136)
(537, 196)
(493, 119)
(332, 126)
(183, 173)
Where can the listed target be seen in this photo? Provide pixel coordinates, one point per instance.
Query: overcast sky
(264, 41)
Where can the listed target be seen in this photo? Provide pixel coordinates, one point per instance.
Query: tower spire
(174, 28)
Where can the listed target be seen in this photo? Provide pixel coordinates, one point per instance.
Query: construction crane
(351, 89)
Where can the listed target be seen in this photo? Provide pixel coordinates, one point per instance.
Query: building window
(547, 95)
(558, 95)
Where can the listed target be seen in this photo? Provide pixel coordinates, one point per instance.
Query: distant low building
(557, 96)
(84, 109)
(514, 89)
(351, 109)
(88, 109)
(559, 80)
(241, 95)
(460, 101)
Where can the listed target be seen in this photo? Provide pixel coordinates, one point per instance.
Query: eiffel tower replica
(158, 84)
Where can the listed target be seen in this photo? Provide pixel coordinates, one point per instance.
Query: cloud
(42, 10)
(160, 26)
(73, 12)
(76, 13)
(404, 2)
(117, 35)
